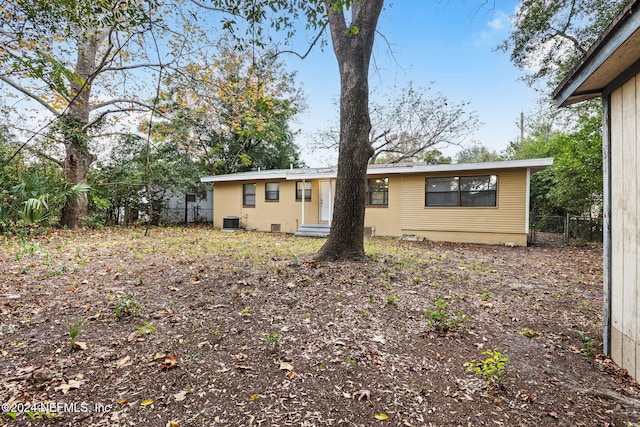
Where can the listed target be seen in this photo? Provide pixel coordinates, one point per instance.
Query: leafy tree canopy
(232, 112)
(477, 153)
(574, 183)
(548, 37)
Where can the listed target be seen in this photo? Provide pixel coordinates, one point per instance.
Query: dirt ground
(196, 327)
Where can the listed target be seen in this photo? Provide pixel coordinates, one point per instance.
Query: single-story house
(467, 202)
(611, 70)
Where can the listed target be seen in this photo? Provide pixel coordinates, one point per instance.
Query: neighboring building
(471, 202)
(611, 70)
(184, 208)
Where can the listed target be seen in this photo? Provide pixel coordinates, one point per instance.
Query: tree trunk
(352, 46)
(73, 129)
(76, 165)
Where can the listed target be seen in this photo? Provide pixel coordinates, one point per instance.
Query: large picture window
(249, 194)
(307, 190)
(378, 191)
(462, 191)
(272, 191)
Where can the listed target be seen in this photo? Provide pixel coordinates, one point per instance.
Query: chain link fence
(565, 230)
(192, 214)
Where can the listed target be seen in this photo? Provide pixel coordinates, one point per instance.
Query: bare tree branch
(313, 43)
(30, 94)
(44, 155)
(121, 101)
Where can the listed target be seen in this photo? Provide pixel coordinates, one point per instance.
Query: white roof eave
(304, 174)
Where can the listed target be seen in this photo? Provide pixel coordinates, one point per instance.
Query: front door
(326, 201)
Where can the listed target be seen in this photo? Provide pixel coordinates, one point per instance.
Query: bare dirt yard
(195, 327)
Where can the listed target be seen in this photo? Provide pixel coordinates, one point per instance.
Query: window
(272, 191)
(442, 192)
(307, 190)
(249, 194)
(478, 190)
(461, 191)
(378, 191)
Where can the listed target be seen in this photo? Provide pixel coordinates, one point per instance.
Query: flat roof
(387, 169)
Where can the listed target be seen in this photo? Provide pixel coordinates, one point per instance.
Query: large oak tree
(352, 25)
(82, 64)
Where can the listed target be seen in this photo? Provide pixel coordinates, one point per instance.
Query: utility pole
(521, 127)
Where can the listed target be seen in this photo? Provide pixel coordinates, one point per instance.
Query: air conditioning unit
(231, 223)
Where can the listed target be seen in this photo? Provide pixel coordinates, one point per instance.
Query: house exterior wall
(287, 212)
(503, 224)
(405, 213)
(625, 225)
(385, 220)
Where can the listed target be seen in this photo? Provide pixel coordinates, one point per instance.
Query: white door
(326, 201)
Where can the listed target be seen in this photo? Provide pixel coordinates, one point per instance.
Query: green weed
(491, 369)
(127, 306)
(274, 338)
(529, 333)
(392, 299)
(441, 319)
(75, 328)
(147, 329)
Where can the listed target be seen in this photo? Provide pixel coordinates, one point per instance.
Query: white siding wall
(625, 226)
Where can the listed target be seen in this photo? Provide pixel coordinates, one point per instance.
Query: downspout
(304, 185)
(606, 223)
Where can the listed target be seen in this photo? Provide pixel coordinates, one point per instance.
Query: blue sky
(448, 45)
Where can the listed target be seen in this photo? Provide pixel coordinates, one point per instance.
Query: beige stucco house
(611, 70)
(472, 202)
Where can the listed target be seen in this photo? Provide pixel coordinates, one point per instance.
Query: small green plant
(307, 315)
(75, 328)
(485, 295)
(364, 313)
(529, 333)
(584, 306)
(274, 338)
(127, 306)
(372, 298)
(589, 345)
(392, 299)
(147, 329)
(321, 367)
(245, 311)
(350, 361)
(491, 369)
(441, 319)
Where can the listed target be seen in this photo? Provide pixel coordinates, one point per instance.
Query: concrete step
(313, 230)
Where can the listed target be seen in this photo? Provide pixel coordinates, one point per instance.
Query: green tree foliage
(137, 177)
(477, 153)
(232, 112)
(435, 157)
(550, 36)
(574, 183)
(84, 64)
(32, 192)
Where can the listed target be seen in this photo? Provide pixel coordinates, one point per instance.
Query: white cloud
(499, 22)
